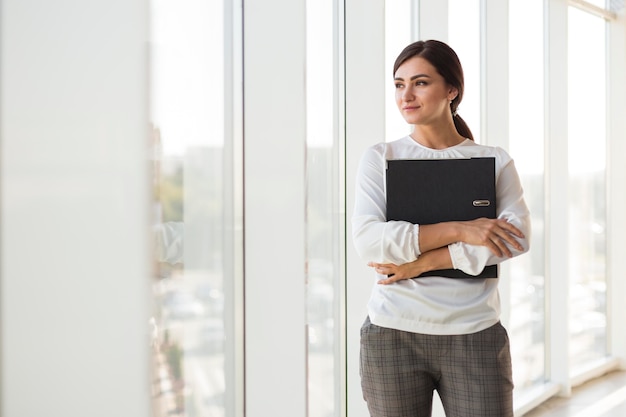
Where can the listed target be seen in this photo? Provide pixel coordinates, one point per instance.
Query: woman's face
(422, 94)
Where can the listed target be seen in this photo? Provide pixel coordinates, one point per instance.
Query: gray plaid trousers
(400, 370)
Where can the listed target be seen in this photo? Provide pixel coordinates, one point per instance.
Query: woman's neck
(437, 137)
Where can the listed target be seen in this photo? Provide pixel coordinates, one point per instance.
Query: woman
(435, 333)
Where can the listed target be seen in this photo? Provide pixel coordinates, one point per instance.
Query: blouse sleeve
(510, 205)
(374, 238)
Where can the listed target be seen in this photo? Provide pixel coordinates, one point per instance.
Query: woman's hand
(492, 233)
(396, 272)
(428, 261)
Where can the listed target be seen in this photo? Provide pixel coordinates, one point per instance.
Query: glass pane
(464, 38)
(526, 118)
(192, 208)
(323, 228)
(398, 34)
(587, 171)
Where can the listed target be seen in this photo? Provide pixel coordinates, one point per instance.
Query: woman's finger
(389, 280)
(512, 229)
(494, 248)
(507, 237)
(504, 249)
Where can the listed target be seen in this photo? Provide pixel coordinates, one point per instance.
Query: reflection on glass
(526, 123)
(323, 231)
(587, 170)
(187, 114)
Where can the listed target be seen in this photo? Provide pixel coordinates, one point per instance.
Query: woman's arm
(473, 244)
(429, 261)
(511, 207)
(374, 238)
(398, 242)
(494, 234)
(495, 231)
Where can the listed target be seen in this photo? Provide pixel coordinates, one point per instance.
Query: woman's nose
(407, 94)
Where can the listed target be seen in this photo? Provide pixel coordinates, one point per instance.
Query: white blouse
(433, 305)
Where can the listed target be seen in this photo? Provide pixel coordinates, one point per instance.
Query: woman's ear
(453, 93)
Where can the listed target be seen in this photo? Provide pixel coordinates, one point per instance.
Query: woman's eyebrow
(413, 77)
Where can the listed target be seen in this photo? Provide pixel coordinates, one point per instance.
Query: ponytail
(462, 127)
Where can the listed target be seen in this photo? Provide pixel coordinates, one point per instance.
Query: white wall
(74, 207)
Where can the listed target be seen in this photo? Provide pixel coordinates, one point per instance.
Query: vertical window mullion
(274, 205)
(616, 237)
(365, 101)
(557, 270)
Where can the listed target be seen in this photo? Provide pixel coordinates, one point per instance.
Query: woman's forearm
(495, 234)
(435, 259)
(439, 235)
(430, 261)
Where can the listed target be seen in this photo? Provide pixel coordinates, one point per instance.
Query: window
(398, 34)
(195, 204)
(587, 171)
(526, 144)
(325, 230)
(464, 38)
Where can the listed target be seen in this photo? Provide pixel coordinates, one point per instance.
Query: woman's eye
(421, 83)
(398, 85)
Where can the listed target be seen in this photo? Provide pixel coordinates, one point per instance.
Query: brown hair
(447, 64)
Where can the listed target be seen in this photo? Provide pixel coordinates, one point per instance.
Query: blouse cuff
(416, 233)
(461, 261)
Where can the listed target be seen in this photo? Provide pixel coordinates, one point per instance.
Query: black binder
(428, 191)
